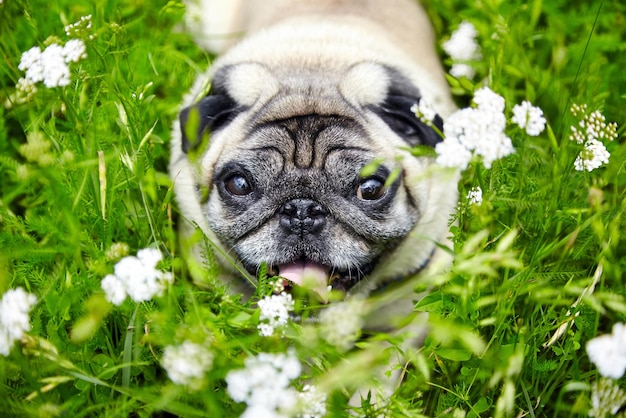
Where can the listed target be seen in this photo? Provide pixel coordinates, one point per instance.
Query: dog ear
(397, 114)
(208, 115)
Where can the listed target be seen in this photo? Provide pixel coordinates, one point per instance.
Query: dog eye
(370, 189)
(238, 185)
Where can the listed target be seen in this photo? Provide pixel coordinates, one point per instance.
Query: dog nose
(302, 216)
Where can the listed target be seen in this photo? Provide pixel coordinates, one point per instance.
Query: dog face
(309, 171)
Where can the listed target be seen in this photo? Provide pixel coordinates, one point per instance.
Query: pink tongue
(306, 274)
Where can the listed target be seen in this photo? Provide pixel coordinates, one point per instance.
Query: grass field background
(83, 183)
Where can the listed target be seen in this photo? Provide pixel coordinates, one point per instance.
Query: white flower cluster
(529, 118)
(312, 402)
(265, 386)
(186, 363)
(275, 311)
(136, 277)
(424, 112)
(51, 64)
(341, 322)
(591, 130)
(15, 307)
(593, 156)
(475, 131)
(463, 49)
(475, 195)
(608, 352)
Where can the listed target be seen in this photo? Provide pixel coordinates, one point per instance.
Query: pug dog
(294, 149)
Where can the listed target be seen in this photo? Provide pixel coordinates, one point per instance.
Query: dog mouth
(306, 274)
(314, 276)
(317, 277)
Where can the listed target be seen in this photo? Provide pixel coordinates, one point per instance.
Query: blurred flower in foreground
(186, 363)
(475, 131)
(529, 118)
(591, 130)
(15, 307)
(608, 352)
(463, 49)
(341, 322)
(136, 277)
(312, 402)
(265, 386)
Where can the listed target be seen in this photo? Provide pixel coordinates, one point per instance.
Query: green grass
(491, 315)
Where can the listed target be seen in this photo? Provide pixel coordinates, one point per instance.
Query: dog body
(314, 95)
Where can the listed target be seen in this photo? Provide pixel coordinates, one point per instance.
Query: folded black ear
(396, 112)
(208, 115)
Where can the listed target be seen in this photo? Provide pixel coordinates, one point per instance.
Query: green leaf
(454, 354)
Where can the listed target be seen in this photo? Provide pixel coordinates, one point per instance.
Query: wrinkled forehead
(305, 142)
(280, 93)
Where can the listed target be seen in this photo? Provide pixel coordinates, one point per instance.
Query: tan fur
(394, 33)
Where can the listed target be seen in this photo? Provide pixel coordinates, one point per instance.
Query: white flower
(424, 112)
(275, 312)
(451, 153)
(51, 65)
(56, 73)
(74, 50)
(15, 307)
(593, 156)
(264, 384)
(261, 411)
(529, 117)
(462, 47)
(478, 130)
(590, 131)
(462, 44)
(312, 402)
(140, 283)
(32, 64)
(475, 196)
(487, 100)
(608, 352)
(137, 277)
(114, 290)
(186, 363)
(149, 257)
(498, 147)
(459, 70)
(278, 285)
(341, 322)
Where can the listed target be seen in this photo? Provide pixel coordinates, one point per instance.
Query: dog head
(311, 172)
